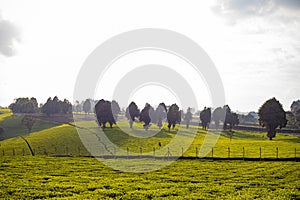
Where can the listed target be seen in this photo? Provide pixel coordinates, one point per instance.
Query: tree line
(52, 106)
(270, 115)
(107, 112)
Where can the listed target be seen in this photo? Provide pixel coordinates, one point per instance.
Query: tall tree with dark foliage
(24, 105)
(104, 113)
(271, 115)
(173, 116)
(160, 114)
(218, 116)
(132, 112)
(147, 115)
(205, 117)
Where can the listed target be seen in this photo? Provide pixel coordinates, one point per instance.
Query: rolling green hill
(81, 178)
(63, 139)
(13, 127)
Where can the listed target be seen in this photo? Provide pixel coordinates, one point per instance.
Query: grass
(86, 178)
(55, 140)
(38, 177)
(13, 127)
(63, 139)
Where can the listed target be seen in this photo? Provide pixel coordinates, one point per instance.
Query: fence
(218, 153)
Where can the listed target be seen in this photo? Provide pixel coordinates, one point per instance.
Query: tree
(231, 119)
(205, 117)
(271, 115)
(234, 120)
(24, 105)
(188, 117)
(147, 115)
(295, 109)
(104, 113)
(65, 106)
(132, 112)
(28, 122)
(218, 116)
(227, 119)
(86, 107)
(173, 116)
(56, 105)
(52, 106)
(160, 114)
(47, 107)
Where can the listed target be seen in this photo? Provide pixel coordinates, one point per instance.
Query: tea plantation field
(63, 169)
(86, 178)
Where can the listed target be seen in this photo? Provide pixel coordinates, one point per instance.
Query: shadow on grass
(240, 135)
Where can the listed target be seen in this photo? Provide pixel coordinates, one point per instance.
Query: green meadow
(86, 178)
(62, 167)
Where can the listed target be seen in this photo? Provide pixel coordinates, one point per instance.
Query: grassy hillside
(81, 178)
(13, 127)
(63, 139)
(86, 178)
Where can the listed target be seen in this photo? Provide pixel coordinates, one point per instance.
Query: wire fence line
(218, 153)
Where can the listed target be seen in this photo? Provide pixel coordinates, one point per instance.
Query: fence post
(212, 153)
(181, 151)
(243, 153)
(228, 152)
(196, 152)
(276, 152)
(141, 152)
(23, 152)
(169, 153)
(259, 153)
(154, 153)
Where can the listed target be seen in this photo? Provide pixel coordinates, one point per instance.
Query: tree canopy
(205, 117)
(104, 113)
(173, 116)
(147, 115)
(160, 114)
(132, 112)
(271, 115)
(55, 106)
(24, 105)
(87, 105)
(218, 116)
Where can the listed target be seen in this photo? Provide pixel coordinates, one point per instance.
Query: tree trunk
(271, 132)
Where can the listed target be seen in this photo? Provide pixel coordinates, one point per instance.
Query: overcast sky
(255, 44)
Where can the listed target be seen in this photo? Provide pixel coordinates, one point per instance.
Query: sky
(255, 45)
